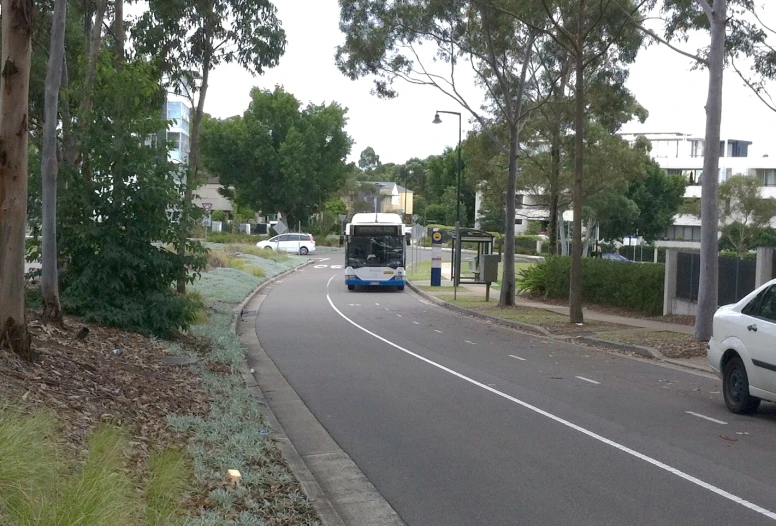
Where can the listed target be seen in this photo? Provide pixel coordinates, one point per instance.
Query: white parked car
(294, 243)
(742, 349)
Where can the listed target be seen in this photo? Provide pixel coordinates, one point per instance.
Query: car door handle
(752, 327)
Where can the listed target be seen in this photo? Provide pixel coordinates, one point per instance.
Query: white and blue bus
(375, 251)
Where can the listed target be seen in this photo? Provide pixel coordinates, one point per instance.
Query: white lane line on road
(625, 449)
(467, 341)
(588, 380)
(416, 323)
(517, 357)
(437, 330)
(693, 413)
(398, 315)
(377, 304)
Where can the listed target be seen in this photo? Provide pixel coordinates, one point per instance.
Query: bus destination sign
(376, 230)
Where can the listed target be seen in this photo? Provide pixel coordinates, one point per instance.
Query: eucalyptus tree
(191, 37)
(735, 31)
(383, 39)
(14, 123)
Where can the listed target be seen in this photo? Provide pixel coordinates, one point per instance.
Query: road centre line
(399, 315)
(467, 341)
(625, 449)
(517, 357)
(588, 380)
(437, 330)
(693, 413)
(416, 323)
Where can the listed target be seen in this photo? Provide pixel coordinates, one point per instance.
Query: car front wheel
(735, 387)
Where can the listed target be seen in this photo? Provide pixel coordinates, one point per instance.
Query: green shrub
(632, 286)
(526, 244)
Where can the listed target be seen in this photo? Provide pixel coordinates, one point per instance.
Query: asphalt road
(458, 422)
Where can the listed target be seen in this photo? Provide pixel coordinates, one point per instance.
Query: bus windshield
(375, 251)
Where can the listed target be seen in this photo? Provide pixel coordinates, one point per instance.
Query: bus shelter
(468, 261)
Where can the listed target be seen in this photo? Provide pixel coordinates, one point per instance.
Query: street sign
(417, 231)
(342, 217)
(206, 220)
(415, 217)
(280, 227)
(207, 206)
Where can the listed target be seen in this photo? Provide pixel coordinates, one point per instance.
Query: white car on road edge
(742, 349)
(291, 242)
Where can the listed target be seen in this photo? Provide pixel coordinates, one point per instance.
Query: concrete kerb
(315, 495)
(647, 352)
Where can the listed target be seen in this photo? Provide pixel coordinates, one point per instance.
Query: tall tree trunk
(52, 311)
(507, 296)
(191, 180)
(575, 288)
(95, 40)
(14, 109)
(554, 188)
(118, 30)
(709, 275)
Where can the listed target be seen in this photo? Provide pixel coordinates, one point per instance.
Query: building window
(683, 233)
(696, 149)
(518, 221)
(519, 200)
(767, 176)
(175, 140)
(174, 110)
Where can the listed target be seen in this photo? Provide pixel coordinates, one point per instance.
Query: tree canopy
(279, 156)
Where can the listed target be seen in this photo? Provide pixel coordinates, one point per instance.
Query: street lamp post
(457, 262)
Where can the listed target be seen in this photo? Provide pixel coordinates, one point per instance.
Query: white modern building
(682, 153)
(677, 153)
(177, 109)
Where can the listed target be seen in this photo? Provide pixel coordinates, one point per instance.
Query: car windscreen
(375, 251)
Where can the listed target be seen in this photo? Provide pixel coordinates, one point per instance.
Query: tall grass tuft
(102, 491)
(29, 466)
(39, 486)
(169, 475)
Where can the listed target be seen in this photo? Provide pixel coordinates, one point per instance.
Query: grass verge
(235, 435)
(41, 484)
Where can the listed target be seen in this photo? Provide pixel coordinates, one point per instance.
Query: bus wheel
(351, 287)
(400, 287)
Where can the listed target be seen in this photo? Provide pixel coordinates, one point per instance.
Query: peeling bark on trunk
(709, 274)
(14, 108)
(575, 287)
(52, 310)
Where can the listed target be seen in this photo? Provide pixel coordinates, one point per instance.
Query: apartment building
(681, 153)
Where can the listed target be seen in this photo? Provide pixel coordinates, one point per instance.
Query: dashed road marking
(693, 413)
(399, 315)
(437, 330)
(588, 380)
(517, 357)
(472, 343)
(416, 323)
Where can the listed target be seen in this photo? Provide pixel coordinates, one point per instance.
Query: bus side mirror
(342, 240)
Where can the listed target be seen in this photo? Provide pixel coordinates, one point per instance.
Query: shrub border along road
(315, 495)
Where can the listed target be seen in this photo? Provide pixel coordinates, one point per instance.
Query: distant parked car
(294, 243)
(613, 256)
(742, 349)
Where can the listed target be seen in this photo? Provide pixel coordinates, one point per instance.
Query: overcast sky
(401, 128)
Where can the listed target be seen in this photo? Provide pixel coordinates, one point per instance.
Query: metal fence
(736, 277)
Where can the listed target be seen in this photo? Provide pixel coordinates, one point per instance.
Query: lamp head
(437, 120)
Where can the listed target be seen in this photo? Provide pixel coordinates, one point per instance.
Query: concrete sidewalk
(478, 291)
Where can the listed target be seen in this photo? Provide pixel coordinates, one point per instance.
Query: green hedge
(632, 286)
(526, 244)
(228, 237)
